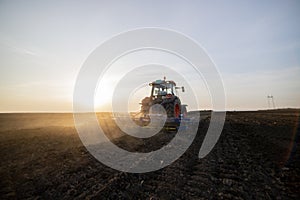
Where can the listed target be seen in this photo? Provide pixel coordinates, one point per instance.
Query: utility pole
(271, 98)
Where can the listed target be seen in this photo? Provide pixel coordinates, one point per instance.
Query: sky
(254, 44)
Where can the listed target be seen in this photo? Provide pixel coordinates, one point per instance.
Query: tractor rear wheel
(173, 109)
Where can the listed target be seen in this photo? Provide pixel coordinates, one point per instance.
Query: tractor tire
(173, 109)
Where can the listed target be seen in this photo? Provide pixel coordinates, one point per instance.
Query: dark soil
(256, 157)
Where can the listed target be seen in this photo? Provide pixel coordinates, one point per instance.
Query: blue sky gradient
(255, 45)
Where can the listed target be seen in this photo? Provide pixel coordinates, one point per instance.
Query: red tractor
(164, 93)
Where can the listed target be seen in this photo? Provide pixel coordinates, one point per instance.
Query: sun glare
(103, 96)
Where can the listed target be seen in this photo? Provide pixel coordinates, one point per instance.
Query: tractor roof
(161, 82)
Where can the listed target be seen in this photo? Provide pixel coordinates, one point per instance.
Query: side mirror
(182, 88)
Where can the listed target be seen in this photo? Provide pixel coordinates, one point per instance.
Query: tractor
(164, 92)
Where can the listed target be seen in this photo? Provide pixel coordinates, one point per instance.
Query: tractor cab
(162, 88)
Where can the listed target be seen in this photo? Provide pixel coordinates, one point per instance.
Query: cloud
(24, 51)
(10, 44)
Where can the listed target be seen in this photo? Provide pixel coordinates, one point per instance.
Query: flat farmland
(256, 157)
